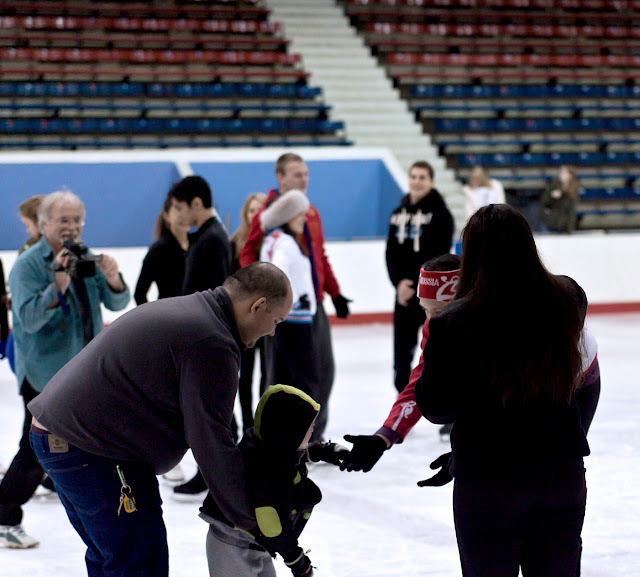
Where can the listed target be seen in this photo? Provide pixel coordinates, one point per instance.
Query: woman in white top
(481, 191)
(283, 224)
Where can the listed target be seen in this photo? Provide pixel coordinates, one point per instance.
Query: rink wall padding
(354, 190)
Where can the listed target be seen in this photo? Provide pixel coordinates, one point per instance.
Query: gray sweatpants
(228, 553)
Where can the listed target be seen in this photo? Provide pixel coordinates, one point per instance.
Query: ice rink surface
(380, 524)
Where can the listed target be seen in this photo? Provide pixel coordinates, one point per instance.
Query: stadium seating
(177, 73)
(521, 87)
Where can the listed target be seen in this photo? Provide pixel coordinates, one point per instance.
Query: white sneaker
(14, 537)
(176, 475)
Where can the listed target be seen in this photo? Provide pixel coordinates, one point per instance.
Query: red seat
(32, 69)
(564, 60)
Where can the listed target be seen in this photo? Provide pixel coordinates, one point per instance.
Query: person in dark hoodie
(275, 452)
(207, 262)
(420, 229)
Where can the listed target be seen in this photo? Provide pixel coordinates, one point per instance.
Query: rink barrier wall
(355, 189)
(605, 265)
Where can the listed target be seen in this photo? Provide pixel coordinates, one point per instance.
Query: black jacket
(417, 232)
(491, 437)
(280, 491)
(208, 261)
(164, 265)
(558, 214)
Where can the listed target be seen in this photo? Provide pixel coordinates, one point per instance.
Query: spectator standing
(159, 380)
(292, 173)
(481, 191)
(250, 208)
(208, 260)
(55, 315)
(164, 263)
(559, 202)
(28, 213)
(420, 228)
(294, 361)
(518, 441)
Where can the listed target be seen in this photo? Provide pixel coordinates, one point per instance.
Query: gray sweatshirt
(158, 380)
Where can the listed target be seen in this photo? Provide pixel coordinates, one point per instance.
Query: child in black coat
(275, 453)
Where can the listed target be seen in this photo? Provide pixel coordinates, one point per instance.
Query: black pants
(309, 354)
(533, 523)
(325, 368)
(407, 322)
(24, 474)
(245, 389)
(293, 357)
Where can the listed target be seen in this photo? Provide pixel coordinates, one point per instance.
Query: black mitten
(365, 453)
(329, 452)
(301, 566)
(442, 477)
(341, 305)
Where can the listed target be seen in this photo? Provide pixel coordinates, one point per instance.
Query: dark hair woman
(164, 263)
(502, 362)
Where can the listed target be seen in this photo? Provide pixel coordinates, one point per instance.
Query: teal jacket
(45, 339)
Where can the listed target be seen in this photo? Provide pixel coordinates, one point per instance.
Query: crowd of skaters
(285, 230)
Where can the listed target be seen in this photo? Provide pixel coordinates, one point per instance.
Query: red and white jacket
(326, 281)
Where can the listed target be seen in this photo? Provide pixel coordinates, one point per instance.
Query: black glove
(300, 566)
(341, 305)
(442, 477)
(329, 452)
(365, 453)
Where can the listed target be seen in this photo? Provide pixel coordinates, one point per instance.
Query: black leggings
(24, 474)
(533, 523)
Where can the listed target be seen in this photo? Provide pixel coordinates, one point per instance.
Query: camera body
(81, 263)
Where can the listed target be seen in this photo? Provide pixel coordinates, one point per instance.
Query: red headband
(438, 285)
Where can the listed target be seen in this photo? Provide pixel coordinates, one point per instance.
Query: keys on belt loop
(127, 500)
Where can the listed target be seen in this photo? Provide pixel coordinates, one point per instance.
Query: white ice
(380, 524)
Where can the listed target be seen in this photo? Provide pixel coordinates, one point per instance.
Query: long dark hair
(526, 317)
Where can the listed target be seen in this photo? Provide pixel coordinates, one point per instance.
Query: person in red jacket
(292, 174)
(437, 285)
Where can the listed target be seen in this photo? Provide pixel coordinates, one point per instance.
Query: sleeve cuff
(390, 434)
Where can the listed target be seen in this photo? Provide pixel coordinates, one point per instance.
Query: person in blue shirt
(56, 312)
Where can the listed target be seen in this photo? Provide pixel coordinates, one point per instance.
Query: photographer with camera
(56, 288)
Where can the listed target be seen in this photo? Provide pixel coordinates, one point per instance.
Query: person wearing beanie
(292, 173)
(436, 287)
(275, 452)
(294, 360)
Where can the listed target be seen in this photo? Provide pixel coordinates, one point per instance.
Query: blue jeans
(124, 545)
